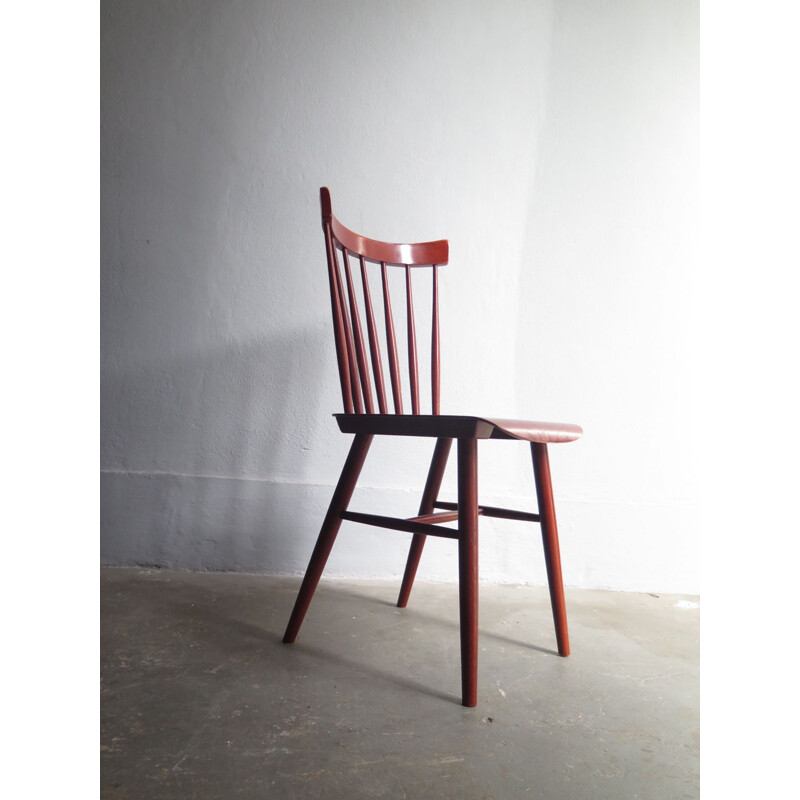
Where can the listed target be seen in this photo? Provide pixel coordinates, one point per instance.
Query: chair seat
(458, 427)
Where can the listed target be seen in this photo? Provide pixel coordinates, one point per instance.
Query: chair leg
(468, 567)
(552, 555)
(327, 534)
(429, 495)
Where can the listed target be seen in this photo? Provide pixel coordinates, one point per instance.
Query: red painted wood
(374, 347)
(391, 344)
(399, 524)
(435, 343)
(438, 517)
(358, 338)
(355, 389)
(552, 555)
(352, 342)
(420, 254)
(454, 427)
(327, 535)
(429, 495)
(492, 511)
(325, 204)
(415, 425)
(413, 371)
(468, 567)
(548, 432)
(338, 323)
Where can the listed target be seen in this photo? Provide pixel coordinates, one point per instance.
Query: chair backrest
(351, 347)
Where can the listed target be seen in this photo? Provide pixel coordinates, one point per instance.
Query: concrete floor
(200, 699)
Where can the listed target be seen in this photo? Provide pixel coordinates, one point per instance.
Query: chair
(355, 350)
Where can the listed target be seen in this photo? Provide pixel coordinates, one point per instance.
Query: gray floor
(200, 699)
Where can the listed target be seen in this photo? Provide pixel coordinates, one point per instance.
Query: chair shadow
(180, 410)
(448, 624)
(250, 640)
(325, 656)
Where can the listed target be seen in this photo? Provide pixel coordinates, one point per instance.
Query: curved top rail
(416, 254)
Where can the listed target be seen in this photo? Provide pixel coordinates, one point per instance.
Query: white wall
(553, 143)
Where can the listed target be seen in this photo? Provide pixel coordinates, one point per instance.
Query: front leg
(468, 567)
(552, 554)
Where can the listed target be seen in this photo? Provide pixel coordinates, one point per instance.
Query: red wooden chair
(354, 351)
